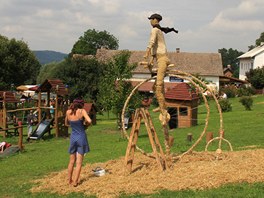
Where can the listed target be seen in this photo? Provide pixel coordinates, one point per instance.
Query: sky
(203, 25)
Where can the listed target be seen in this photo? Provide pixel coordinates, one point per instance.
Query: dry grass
(196, 171)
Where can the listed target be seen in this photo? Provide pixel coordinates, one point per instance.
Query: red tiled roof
(176, 91)
(182, 91)
(88, 107)
(8, 96)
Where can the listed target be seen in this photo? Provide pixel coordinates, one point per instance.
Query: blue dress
(78, 140)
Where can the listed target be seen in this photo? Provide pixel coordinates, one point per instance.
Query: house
(181, 101)
(206, 65)
(228, 71)
(251, 60)
(182, 104)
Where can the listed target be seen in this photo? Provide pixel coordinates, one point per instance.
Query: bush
(225, 105)
(246, 91)
(247, 102)
(230, 90)
(256, 77)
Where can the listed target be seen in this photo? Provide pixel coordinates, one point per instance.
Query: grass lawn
(244, 129)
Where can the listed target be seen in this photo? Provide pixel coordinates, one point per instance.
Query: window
(175, 79)
(183, 111)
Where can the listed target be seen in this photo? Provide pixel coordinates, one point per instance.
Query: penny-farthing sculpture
(161, 157)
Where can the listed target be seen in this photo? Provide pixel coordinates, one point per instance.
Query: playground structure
(161, 158)
(60, 102)
(6, 98)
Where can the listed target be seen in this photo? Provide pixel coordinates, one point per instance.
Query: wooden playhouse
(58, 102)
(182, 104)
(6, 98)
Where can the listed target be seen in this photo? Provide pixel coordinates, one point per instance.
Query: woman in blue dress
(75, 118)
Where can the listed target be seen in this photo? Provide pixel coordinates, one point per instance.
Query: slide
(42, 128)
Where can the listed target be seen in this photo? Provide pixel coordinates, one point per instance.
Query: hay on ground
(199, 170)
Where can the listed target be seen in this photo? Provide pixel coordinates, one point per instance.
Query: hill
(46, 56)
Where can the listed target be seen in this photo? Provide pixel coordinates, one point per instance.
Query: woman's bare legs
(79, 161)
(71, 166)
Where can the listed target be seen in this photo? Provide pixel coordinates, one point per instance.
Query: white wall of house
(213, 80)
(251, 60)
(141, 76)
(244, 66)
(259, 61)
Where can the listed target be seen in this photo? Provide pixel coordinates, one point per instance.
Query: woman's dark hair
(77, 104)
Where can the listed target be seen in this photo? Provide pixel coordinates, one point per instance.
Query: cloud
(108, 6)
(249, 13)
(203, 26)
(44, 13)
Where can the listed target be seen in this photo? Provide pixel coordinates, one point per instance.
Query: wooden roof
(231, 79)
(176, 91)
(54, 86)
(148, 86)
(88, 107)
(182, 91)
(8, 97)
(208, 64)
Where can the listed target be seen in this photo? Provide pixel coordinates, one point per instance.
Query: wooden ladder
(143, 113)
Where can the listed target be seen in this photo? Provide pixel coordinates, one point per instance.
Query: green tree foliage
(229, 57)
(113, 88)
(257, 42)
(93, 40)
(49, 71)
(18, 65)
(82, 76)
(256, 77)
(260, 39)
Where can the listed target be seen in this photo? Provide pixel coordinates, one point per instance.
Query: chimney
(177, 50)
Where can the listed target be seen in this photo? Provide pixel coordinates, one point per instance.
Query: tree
(256, 77)
(114, 87)
(18, 64)
(260, 39)
(50, 71)
(229, 57)
(257, 42)
(93, 40)
(82, 73)
(82, 76)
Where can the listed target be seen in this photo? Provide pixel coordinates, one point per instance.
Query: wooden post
(20, 131)
(189, 137)
(39, 105)
(209, 136)
(222, 134)
(132, 142)
(56, 116)
(4, 115)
